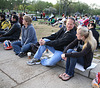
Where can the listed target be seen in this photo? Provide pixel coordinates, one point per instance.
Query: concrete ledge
(90, 73)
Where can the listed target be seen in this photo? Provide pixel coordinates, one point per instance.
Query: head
(20, 15)
(86, 16)
(86, 35)
(70, 23)
(14, 18)
(13, 13)
(80, 17)
(2, 17)
(91, 25)
(27, 20)
(82, 32)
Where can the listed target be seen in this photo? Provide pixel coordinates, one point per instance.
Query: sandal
(66, 78)
(61, 75)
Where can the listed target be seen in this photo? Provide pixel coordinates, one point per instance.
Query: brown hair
(27, 19)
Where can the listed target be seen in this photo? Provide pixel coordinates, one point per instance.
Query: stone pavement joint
(15, 73)
(8, 76)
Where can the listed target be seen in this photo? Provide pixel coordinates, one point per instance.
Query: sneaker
(33, 62)
(21, 54)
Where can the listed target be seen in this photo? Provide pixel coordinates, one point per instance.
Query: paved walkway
(15, 73)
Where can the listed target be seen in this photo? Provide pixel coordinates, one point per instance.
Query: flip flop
(61, 75)
(66, 78)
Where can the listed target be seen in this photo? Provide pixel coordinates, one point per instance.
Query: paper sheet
(81, 68)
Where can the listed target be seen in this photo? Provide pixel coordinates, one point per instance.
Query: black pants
(2, 32)
(2, 39)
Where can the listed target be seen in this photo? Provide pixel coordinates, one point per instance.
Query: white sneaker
(33, 62)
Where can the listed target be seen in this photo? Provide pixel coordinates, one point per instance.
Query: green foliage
(62, 6)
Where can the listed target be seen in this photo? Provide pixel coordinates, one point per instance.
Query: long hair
(88, 37)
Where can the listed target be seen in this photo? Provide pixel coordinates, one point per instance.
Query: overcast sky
(86, 1)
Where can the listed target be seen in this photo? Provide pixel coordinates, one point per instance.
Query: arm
(71, 45)
(12, 30)
(31, 34)
(64, 41)
(5, 26)
(79, 54)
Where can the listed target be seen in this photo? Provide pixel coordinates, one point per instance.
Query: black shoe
(21, 54)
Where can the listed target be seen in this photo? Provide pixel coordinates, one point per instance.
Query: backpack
(34, 47)
(8, 24)
(96, 81)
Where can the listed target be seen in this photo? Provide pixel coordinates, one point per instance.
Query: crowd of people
(75, 42)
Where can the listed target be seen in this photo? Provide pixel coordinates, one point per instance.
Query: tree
(62, 6)
(50, 10)
(25, 3)
(40, 5)
(56, 6)
(3, 4)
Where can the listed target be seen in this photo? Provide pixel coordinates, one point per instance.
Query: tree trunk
(2, 10)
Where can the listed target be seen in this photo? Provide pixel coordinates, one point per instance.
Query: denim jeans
(19, 48)
(71, 62)
(51, 61)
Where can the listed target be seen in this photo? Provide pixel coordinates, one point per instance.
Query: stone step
(90, 73)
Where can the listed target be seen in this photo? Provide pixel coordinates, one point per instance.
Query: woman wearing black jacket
(82, 55)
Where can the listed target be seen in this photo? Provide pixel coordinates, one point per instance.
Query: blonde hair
(88, 37)
(27, 19)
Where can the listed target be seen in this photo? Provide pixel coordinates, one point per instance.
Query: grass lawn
(43, 30)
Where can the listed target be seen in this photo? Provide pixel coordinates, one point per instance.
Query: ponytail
(84, 31)
(91, 40)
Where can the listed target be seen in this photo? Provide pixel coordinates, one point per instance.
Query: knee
(13, 44)
(46, 62)
(69, 50)
(74, 51)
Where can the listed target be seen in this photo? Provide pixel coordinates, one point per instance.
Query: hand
(41, 42)
(63, 57)
(0, 35)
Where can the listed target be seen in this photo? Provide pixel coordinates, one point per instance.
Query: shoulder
(72, 32)
(31, 27)
(17, 25)
(88, 45)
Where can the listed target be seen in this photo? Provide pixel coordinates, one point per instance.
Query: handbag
(34, 47)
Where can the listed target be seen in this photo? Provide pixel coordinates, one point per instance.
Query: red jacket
(86, 22)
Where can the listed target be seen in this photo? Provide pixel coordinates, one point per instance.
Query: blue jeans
(51, 61)
(71, 62)
(19, 48)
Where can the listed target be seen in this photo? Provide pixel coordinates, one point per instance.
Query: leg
(70, 64)
(2, 39)
(17, 47)
(2, 32)
(53, 60)
(26, 47)
(41, 50)
(39, 53)
(68, 60)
